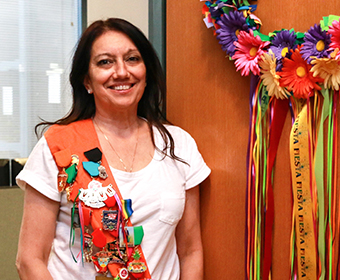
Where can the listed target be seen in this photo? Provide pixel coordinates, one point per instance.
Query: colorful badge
(95, 194)
(136, 267)
(123, 273)
(93, 166)
(110, 219)
(101, 261)
(134, 236)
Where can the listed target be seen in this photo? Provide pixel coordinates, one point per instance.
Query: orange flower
(296, 76)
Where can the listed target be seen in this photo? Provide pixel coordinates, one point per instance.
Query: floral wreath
(298, 73)
(288, 62)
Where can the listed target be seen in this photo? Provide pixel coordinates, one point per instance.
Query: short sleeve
(40, 172)
(195, 170)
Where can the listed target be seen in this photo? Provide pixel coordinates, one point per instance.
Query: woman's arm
(188, 236)
(36, 235)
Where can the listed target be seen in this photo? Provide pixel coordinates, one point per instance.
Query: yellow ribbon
(303, 201)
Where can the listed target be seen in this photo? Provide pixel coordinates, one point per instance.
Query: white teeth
(121, 87)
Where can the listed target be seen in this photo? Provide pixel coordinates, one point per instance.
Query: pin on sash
(94, 167)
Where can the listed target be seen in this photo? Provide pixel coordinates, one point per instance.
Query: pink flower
(334, 29)
(249, 50)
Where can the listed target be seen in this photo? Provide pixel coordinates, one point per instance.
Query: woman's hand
(188, 237)
(36, 235)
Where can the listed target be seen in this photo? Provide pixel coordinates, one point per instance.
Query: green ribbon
(72, 230)
(319, 178)
(329, 179)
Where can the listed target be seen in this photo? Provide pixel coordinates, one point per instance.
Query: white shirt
(158, 199)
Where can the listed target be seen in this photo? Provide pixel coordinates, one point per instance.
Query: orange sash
(79, 137)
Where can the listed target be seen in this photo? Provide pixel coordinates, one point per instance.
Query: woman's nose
(120, 70)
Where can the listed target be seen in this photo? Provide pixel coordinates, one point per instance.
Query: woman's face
(117, 73)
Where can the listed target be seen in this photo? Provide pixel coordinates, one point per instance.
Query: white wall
(135, 11)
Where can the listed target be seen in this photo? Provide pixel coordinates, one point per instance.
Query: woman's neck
(120, 125)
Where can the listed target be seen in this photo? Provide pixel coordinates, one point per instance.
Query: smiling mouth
(122, 87)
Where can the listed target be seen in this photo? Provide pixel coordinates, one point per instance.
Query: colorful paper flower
(316, 44)
(327, 69)
(270, 77)
(296, 76)
(282, 43)
(230, 26)
(249, 50)
(334, 30)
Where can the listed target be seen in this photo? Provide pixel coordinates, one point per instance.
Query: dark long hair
(149, 107)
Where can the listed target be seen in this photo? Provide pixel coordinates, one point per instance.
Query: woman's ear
(87, 85)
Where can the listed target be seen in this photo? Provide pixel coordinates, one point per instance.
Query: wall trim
(157, 28)
(83, 16)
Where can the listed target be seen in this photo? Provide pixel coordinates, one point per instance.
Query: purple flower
(230, 26)
(283, 42)
(316, 44)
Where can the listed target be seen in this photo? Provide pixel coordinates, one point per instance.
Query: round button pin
(123, 273)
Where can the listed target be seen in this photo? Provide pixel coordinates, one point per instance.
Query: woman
(114, 148)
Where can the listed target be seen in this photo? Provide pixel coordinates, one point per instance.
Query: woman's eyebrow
(111, 55)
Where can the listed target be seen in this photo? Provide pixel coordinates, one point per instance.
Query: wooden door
(209, 99)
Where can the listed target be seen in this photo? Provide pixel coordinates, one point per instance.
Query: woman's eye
(133, 59)
(104, 62)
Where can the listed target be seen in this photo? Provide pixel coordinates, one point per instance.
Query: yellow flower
(270, 77)
(327, 69)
